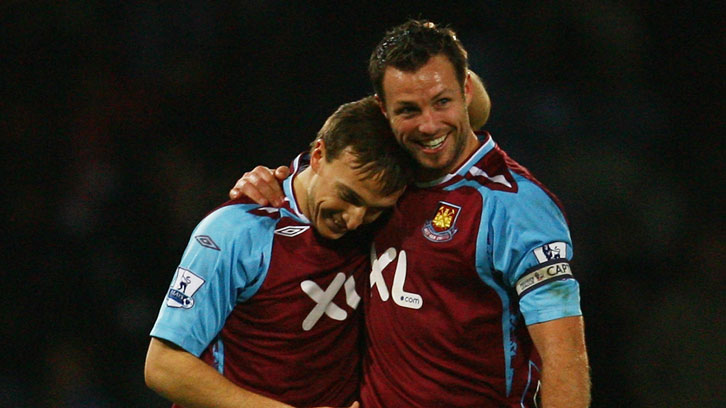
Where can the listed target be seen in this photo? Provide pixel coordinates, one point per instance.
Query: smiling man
(472, 301)
(464, 254)
(263, 309)
(427, 111)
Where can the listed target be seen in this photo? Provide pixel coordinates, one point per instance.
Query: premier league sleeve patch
(553, 266)
(548, 252)
(185, 285)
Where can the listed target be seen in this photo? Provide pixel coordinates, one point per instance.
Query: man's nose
(354, 217)
(427, 122)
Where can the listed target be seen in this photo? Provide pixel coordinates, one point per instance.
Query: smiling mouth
(433, 143)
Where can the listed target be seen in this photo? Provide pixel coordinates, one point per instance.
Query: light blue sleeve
(530, 244)
(225, 262)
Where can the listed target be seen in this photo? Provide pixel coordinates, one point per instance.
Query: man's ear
(381, 105)
(317, 155)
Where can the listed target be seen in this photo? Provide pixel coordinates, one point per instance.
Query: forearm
(566, 384)
(565, 368)
(185, 379)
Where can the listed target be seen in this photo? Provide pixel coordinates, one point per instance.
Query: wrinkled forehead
(436, 76)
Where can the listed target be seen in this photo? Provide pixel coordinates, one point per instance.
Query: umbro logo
(206, 241)
(292, 230)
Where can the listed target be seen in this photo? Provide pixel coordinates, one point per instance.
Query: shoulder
(236, 219)
(234, 240)
(506, 183)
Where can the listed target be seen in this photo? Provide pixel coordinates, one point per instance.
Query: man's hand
(261, 185)
(480, 105)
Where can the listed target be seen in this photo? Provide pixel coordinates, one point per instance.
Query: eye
(350, 198)
(443, 102)
(406, 111)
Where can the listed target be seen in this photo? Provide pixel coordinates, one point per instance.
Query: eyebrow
(347, 194)
(406, 104)
(399, 106)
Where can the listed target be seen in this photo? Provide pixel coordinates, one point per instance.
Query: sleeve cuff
(184, 340)
(553, 301)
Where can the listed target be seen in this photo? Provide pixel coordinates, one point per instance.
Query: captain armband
(554, 270)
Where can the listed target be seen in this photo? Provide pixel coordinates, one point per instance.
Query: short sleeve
(224, 263)
(530, 245)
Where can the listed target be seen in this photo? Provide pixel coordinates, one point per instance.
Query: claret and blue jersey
(464, 264)
(459, 269)
(271, 304)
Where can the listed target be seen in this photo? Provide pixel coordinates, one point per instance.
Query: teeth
(432, 144)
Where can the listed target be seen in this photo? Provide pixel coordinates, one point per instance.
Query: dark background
(123, 124)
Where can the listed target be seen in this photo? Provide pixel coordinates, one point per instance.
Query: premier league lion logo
(184, 287)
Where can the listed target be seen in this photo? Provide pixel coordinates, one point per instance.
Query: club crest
(443, 225)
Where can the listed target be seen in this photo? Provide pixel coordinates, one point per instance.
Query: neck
(300, 184)
(426, 175)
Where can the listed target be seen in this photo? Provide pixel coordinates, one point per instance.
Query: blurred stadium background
(124, 123)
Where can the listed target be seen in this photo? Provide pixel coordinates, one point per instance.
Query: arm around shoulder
(565, 367)
(183, 378)
(261, 185)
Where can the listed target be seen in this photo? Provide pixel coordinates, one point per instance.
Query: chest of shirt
(309, 283)
(424, 281)
(433, 235)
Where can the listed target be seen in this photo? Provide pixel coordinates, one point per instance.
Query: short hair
(410, 45)
(361, 126)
